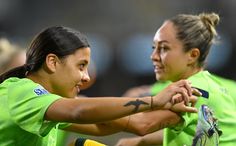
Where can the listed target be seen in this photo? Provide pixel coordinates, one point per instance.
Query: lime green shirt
(230, 85)
(23, 104)
(56, 136)
(221, 100)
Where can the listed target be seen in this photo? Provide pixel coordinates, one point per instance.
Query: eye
(82, 66)
(153, 47)
(162, 49)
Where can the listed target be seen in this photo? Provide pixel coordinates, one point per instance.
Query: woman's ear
(51, 62)
(193, 56)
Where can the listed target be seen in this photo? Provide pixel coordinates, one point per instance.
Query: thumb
(189, 109)
(181, 107)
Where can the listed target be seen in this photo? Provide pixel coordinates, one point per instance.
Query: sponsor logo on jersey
(40, 91)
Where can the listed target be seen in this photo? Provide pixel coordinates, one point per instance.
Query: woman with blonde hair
(180, 49)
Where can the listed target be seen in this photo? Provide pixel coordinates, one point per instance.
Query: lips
(78, 88)
(158, 68)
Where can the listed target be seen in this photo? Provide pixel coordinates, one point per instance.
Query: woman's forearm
(148, 122)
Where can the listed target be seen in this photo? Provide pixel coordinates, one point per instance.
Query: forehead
(82, 54)
(166, 33)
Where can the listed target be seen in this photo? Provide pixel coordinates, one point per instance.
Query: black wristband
(80, 141)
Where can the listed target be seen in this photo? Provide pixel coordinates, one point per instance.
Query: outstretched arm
(99, 129)
(93, 110)
(155, 138)
(148, 122)
(140, 124)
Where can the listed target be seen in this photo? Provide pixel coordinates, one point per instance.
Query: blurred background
(120, 33)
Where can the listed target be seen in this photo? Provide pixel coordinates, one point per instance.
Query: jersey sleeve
(27, 104)
(64, 125)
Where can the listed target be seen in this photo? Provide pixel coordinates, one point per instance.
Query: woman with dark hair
(37, 96)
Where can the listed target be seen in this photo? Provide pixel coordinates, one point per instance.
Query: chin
(70, 95)
(158, 77)
(73, 95)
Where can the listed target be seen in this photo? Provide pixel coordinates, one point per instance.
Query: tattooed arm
(155, 138)
(148, 122)
(140, 124)
(92, 110)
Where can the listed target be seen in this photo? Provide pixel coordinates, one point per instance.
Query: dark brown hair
(59, 40)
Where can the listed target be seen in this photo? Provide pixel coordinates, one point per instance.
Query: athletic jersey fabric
(23, 104)
(221, 100)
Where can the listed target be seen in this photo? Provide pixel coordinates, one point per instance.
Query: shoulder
(18, 82)
(19, 89)
(201, 80)
(21, 86)
(159, 86)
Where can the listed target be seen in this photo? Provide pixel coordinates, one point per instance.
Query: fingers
(176, 93)
(185, 88)
(181, 95)
(189, 109)
(193, 100)
(182, 87)
(196, 92)
(186, 84)
(176, 98)
(181, 107)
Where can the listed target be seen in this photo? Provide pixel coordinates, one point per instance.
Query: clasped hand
(178, 97)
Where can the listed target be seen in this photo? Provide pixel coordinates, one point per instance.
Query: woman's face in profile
(72, 73)
(168, 57)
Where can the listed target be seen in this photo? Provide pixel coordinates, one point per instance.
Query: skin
(171, 62)
(75, 69)
(166, 50)
(151, 139)
(140, 126)
(65, 77)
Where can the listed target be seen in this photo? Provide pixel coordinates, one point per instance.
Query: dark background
(120, 32)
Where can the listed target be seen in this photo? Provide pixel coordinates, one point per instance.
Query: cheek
(167, 60)
(176, 66)
(78, 76)
(174, 59)
(171, 63)
(73, 75)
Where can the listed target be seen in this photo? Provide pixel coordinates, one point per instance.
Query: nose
(85, 77)
(155, 55)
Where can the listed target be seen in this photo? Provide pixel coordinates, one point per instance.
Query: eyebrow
(84, 61)
(164, 41)
(160, 42)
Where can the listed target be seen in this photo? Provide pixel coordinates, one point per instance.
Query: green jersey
(221, 100)
(56, 136)
(23, 104)
(230, 85)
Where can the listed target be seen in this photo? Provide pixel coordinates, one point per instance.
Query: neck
(188, 73)
(192, 71)
(40, 78)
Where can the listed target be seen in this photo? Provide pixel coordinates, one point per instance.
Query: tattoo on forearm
(136, 104)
